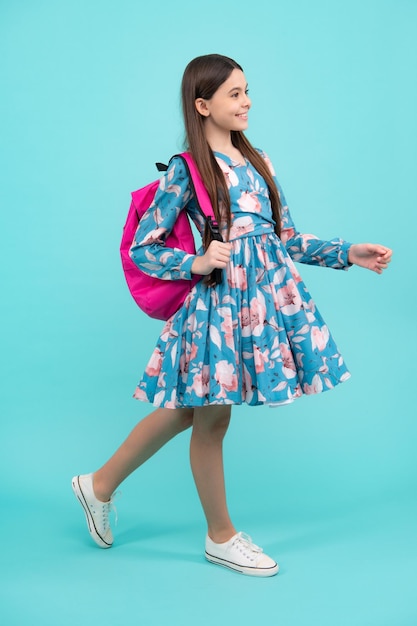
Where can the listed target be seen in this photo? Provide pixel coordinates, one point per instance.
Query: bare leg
(146, 438)
(206, 453)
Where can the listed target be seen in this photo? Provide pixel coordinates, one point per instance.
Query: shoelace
(246, 542)
(112, 506)
(106, 507)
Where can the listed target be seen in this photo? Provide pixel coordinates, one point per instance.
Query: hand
(372, 256)
(217, 255)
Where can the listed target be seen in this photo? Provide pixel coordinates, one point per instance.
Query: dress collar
(230, 162)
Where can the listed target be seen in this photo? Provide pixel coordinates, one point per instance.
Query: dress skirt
(256, 338)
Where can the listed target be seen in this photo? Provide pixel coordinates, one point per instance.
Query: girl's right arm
(306, 248)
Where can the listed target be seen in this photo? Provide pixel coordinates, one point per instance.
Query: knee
(184, 419)
(211, 422)
(218, 429)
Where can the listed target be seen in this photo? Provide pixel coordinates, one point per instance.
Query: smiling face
(228, 108)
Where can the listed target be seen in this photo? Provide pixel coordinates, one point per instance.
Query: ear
(201, 106)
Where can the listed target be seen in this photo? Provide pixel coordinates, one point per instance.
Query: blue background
(90, 100)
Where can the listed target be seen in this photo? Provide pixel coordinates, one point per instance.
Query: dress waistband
(242, 228)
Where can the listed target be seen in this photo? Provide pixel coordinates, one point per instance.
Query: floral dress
(257, 337)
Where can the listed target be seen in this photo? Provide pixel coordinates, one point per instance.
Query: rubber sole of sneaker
(248, 571)
(95, 535)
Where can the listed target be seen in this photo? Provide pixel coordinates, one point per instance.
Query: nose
(248, 102)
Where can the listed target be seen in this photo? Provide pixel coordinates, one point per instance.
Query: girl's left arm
(148, 250)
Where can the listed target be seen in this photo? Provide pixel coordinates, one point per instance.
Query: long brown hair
(201, 79)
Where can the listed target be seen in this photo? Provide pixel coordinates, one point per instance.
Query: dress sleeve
(306, 248)
(148, 250)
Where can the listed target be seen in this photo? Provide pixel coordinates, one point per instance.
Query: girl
(257, 337)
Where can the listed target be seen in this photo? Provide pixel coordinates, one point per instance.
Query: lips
(242, 116)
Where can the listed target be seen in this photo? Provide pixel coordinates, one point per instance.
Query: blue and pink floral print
(258, 336)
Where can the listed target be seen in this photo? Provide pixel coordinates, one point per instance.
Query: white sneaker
(96, 512)
(240, 554)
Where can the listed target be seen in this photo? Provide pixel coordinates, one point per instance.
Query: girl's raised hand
(217, 255)
(372, 256)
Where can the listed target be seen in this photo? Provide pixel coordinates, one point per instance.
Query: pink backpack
(162, 298)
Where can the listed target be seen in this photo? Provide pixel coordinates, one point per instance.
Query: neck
(218, 139)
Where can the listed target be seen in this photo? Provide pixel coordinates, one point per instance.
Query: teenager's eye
(246, 91)
(235, 95)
